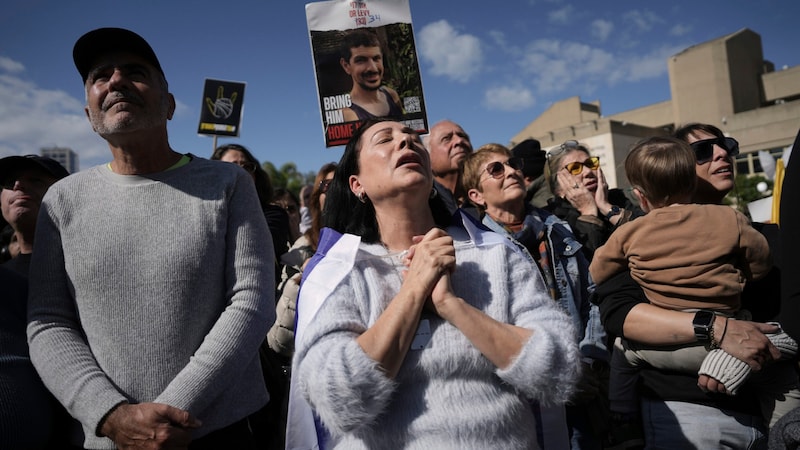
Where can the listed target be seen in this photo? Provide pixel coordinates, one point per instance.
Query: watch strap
(613, 211)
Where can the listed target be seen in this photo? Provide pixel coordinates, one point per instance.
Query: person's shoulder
(546, 216)
(199, 162)
(718, 212)
(76, 182)
(460, 236)
(220, 169)
(393, 94)
(348, 115)
(390, 91)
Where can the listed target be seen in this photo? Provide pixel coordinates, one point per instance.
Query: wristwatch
(613, 212)
(703, 324)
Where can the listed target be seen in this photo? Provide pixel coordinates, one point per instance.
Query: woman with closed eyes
(427, 339)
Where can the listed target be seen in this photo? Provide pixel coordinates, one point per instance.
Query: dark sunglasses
(324, 185)
(497, 170)
(576, 167)
(704, 150)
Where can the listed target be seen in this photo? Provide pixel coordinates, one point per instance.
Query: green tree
(288, 176)
(746, 190)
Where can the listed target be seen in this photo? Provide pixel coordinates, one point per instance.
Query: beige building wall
(656, 115)
(782, 84)
(561, 114)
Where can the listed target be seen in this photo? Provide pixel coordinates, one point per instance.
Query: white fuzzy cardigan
(446, 395)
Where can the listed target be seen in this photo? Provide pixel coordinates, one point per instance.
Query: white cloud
(556, 65)
(451, 54)
(506, 98)
(499, 38)
(680, 30)
(561, 16)
(650, 65)
(33, 117)
(11, 66)
(642, 20)
(550, 68)
(601, 29)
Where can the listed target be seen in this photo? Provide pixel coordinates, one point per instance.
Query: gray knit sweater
(446, 395)
(152, 289)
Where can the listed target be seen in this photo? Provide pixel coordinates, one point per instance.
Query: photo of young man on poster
(366, 65)
(362, 59)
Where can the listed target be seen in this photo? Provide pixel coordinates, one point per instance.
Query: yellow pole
(776, 191)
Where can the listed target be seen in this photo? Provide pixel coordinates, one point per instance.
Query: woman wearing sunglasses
(494, 183)
(687, 411)
(582, 198)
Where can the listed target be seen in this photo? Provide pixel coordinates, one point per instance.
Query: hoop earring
(362, 197)
(434, 193)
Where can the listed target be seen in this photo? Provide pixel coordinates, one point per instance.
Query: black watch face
(703, 319)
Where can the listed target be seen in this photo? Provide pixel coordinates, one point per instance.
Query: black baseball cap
(103, 40)
(13, 164)
(530, 150)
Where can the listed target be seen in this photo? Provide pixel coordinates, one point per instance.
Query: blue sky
(491, 66)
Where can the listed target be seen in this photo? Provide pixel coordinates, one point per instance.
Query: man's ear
(171, 111)
(345, 65)
(476, 197)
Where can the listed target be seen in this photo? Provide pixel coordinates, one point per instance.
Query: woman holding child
(429, 340)
(681, 410)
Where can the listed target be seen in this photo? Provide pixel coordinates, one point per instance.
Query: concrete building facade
(725, 82)
(65, 156)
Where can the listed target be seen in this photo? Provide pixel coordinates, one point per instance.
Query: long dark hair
(345, 213)
(313, 205)
(260, 176)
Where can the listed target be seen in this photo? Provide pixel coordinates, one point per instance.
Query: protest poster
(221, 110)
(366, 65)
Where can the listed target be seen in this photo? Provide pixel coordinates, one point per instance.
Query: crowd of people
(421, 293)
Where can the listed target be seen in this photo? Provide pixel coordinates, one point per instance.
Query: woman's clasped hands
(430, 261)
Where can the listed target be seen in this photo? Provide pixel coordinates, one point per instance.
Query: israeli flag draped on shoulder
(336, 254)
(333, 260)
(478, 233)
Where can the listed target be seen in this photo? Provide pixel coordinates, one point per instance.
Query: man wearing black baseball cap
(101, 41)
(533, 158)
(152, 281)
(24, 180)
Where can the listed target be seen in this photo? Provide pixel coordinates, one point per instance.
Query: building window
(749, 163)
